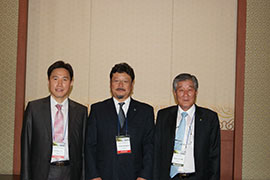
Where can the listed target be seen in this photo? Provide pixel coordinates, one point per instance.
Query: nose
(186, 93)
(121, 83)
(59, 82)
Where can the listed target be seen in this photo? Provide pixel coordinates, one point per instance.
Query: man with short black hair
(119, 137)
(53, 132)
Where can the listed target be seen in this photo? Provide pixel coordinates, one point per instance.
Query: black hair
(123, 68)
(60, 64)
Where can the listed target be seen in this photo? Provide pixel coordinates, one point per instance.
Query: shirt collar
(127, 102)
(54, 102)
(190, 111)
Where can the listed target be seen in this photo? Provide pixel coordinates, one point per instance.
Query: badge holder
(123, 145)
(178, 158)
(58, 150)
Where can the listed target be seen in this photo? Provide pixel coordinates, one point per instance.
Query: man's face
(59, 84)
(121, 86)
(185, 94)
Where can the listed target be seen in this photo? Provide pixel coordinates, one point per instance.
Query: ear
(72, 81)
(174, 93)
(110, 83)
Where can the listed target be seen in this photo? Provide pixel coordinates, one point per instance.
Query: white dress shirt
(188, 146)
(64, 110)
(124, 107)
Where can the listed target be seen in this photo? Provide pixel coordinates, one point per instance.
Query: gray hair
(184, 77)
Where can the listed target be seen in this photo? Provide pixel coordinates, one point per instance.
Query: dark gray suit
(100, 153)
(206, 144)
(36, 139)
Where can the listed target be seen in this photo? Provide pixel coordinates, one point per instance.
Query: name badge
(58, 150)
(178, 158)
(123, 144)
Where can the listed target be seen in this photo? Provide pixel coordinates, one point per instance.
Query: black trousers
(59, 173)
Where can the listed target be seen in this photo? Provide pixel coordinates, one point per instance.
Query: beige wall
(8, 51)
(256, 141)
(158, 38)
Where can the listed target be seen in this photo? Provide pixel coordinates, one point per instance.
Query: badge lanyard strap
(126, 120)
(65, 130)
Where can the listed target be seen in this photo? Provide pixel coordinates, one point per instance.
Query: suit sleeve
(26, 137)
(157, 149)
(90, 147)
(148, 147)
(214, 153)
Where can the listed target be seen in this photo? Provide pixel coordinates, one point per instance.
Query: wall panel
(8, 50)
(58, 30)
(137, 32)
(158, 38)
(257, 100)
(204, 44)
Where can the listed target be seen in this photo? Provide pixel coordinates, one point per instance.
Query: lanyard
(189, 131)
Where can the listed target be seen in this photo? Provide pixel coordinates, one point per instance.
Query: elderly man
(187, 137)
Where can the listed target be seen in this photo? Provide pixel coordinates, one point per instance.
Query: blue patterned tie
(179, 141)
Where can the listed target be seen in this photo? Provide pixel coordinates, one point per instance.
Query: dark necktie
(121, 114)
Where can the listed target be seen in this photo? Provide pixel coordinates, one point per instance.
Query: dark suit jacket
(36, 139)
(100, 153)
(206, 144)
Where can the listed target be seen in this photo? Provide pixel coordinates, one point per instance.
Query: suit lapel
(111, 109)
(71, 117)
(132, 110)
(198, 130)
(111, 115)
(46, 116)
(172, 127)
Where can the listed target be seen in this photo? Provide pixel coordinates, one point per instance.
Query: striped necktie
(121, 114)
(58, 125)
(179, 137)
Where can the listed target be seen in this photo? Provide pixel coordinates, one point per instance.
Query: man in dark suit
(53, 132)
(187, 137)
(119, 135)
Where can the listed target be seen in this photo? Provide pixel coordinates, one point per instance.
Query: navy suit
(36, 139)
(206, 144)
(100, 153)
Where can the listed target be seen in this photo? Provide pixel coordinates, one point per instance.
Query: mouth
(59, 90)
(186, 100)
(120, 89)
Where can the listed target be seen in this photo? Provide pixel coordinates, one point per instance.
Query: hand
(97, 178)
(139, 178)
